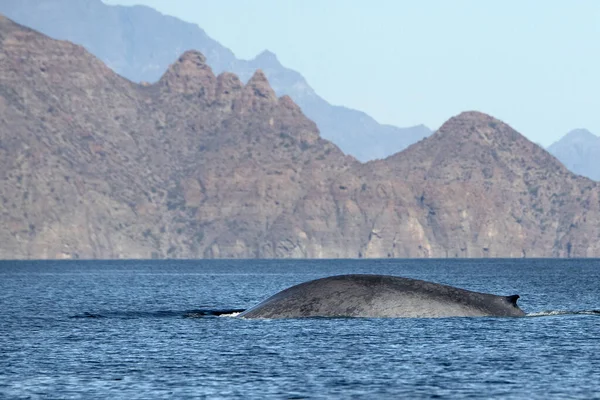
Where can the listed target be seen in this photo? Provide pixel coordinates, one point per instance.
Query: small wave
(162, 314)
(87, 315)
(214, 313)
(563, 312)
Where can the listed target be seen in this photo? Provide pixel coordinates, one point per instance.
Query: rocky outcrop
(190, 75)
(198, 166)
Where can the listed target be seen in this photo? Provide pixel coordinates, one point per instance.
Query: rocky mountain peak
(260, 84)
(580, 135)
(480, 129)
(229, 87)
(259, 89)
(193, 57)
(287, 102)
(229, 82)
(470, 120)
(471, 116)
(267, 59)
(190, 74)
(474, 145)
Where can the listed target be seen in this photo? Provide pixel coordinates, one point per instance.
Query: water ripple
(139, 330)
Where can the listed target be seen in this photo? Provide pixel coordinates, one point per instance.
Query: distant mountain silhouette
(139, 43)
(579, 150)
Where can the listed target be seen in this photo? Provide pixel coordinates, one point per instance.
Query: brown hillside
(485, 190)
(198, 165)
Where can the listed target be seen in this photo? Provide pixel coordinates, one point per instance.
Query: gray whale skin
(381, 296)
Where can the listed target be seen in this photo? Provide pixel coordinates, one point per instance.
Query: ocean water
(166, 329)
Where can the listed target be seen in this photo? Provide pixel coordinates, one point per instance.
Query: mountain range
(139, 43)
(204, 165)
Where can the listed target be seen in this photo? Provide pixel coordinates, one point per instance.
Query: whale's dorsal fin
(513, 299)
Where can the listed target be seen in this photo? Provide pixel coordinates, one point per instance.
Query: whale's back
(380, 296)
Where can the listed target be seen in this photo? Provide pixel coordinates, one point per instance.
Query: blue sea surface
(153, 329)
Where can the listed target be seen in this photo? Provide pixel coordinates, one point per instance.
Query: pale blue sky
(534, 64)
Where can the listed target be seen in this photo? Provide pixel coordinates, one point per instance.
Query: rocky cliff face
(579, 150)
(139, 43)
(198, 165)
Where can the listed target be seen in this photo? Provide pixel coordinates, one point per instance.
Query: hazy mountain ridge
(579, 150)
(198, 165)
(139, 43)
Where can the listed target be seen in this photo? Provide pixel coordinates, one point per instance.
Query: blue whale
(381, 296)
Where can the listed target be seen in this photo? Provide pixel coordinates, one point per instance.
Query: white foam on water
(233, 314)
(563, 312)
